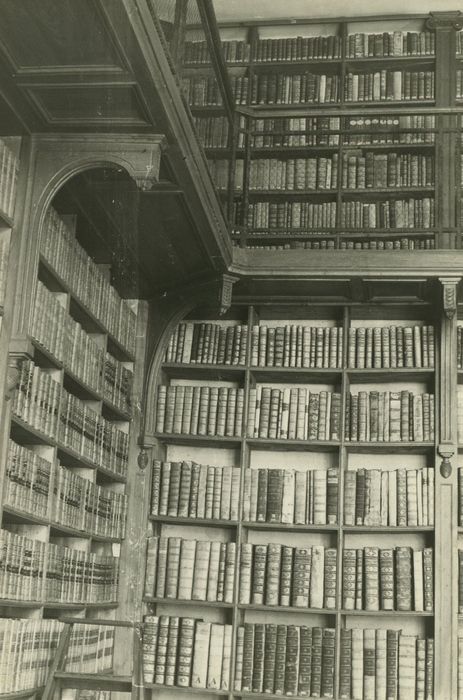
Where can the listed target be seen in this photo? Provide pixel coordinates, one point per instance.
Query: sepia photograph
(231, 350)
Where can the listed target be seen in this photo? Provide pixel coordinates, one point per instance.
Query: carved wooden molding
(446, 452)
(445, 20)
(449, 295)
(226, 292)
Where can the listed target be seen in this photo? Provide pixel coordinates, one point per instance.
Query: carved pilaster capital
(445, 20)
(226, 291)
(449, 295)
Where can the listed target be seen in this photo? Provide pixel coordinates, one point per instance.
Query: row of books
(300, 48)
(56, 331)
(388, 214)
(296, 346)
(400, 579)
(188, 489)
(89, 434)
(331, 244)
(319, 131)
(390, 347)
(86, 281)
(213, 132)
(305, 48)
(295, 131)
(395, 43)
(9, 166)
(306, 217)
(301, 88)
(28, 648)
(290, 496)
(184, 569)
(389, 416)
(209, 343)
(372, 497)
(319, 173)
(186, 652)
(299, 661)
(383, 170)
(43, 404)
(37, 399)
(203, 91)
(234, 51)
(32, 570)
(389, 498)
(292, 660)
(199, 410)
(385, 663)
(294, 414)
(36, 486)
(412, 129)
(389, 85)
(221, 174)
(280, 575)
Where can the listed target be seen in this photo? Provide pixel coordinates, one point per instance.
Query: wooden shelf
(389, 447)
(177, 601)
(399, 374)
(8, 603)
(173, 520)
(193, 691)
(198, 440)
(287, 609)
(289, 527)
(71, 458)
(387, 613)
(25, 434)
(294, 445)
(386, 529)
(15, 515)
(297, 374)
(180, 370)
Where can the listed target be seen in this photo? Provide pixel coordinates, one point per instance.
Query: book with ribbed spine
(171, 653)
(173, 565)
(407, 666)
(403, 568)
(286, 575)
(272, 577)
(292, 660)
(305, 660)
(186, 569)
(239, 654)
(258, 573)
(386, 573)
(269, 658)
(151, 561)
(316, 670)
(330, 578)
(213, 572)
(150, 637)
(246, 558)
(227, 655)
(371, 569)
(203, 550)
(301, 577)
(280, 659)
(185, 652)
(258, 660)
(345, 664)
(428, 579)
(248, 657)
(161, 650)
(214, 667)
(357, 677)
(162, 567)
(317, 577)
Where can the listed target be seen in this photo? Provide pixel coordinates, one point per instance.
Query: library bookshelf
(67, 429)
(342, 130)
(268, 524)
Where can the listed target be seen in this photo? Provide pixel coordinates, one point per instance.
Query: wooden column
(445, 24)
(446, 504)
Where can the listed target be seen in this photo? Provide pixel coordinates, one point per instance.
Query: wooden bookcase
(344, 455)
(261, 52)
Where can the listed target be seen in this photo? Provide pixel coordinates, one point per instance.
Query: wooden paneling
(91, 104)
(47, 34)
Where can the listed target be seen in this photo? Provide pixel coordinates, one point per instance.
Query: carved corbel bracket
(449, 295)
(15, 362)
(226, 292)
(443, 20)
(145, 447)
(446, 452)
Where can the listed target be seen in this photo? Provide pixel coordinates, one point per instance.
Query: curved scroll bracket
(449, 295)
(226, 291)
(445, 466)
